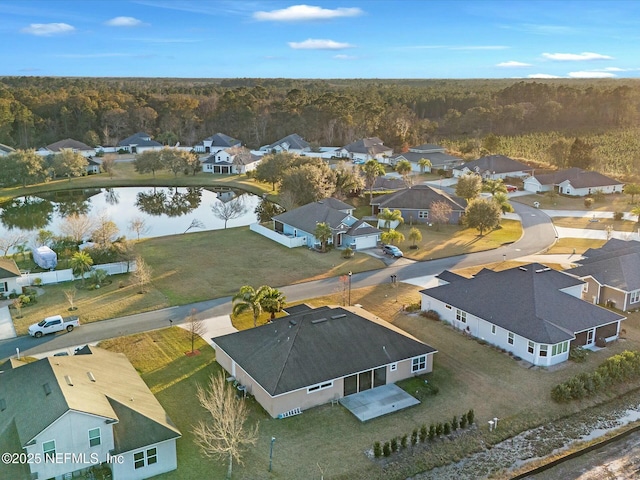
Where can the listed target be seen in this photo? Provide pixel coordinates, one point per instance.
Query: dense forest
(527, 116)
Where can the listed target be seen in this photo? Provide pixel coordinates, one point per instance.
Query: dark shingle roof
(294, 140)
(317, 346)
(616, 264)
(139, 139)
(577, 177)
(6, 149)
(223, 141)
(419, 197)
(371, 145)
(427, 148)
(527, 301)
(437, 159)
(495, 164)
(450, 277)
(329, 210)
(362, 228)
(69, 143)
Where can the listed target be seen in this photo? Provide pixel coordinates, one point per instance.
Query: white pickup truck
(53, 324)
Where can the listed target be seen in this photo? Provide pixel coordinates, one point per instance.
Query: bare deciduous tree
(139, 226)
(226, 436)
(106, 231)
(108, 163)
(142, 274)
(11, 240)
(229, 210)
(77, 227)
(197, 328)
(439, 213)
(70, 295)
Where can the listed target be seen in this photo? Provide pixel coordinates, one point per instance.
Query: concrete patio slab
(7, 329)
(378, 401)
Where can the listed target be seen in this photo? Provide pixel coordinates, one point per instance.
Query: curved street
(538, 234)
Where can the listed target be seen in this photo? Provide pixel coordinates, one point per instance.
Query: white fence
(58, 276)
(290, 242)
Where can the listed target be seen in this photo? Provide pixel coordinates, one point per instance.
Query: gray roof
(69, 144)
(240, 155)
(527, 301)
(318, 346)
(450, 277)
(371, 145)
(495, 164)
(8, 268)
(32, 409)
(577, 177)
(362, 228)
(615, 264)
(330, 210)
(294, 140)
(223, 141)
(419, 197)
(139, 139)
(427, 148)
(437, 159)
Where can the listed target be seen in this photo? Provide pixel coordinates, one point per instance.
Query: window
(543, 350)
(510, 339)
(94, 437)
(419, 363)
(3, 287)
(461, 316)
(531, 348)
(447, 307)
(585, 287)
(493, 329)
(393, 367)
(320, 386)
(424, 214)
(49, 450)
(152, 456)
(559, 348)
(634, 297)
(138, 459)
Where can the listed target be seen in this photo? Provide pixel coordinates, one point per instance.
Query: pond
(164, 210)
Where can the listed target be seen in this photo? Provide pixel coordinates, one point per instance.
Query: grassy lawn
(579, 245)
(455, 240)
(468, 375)
(610, 203)
(601, 224)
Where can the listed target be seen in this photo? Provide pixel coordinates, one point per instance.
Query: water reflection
(170, 202)
(26, 213)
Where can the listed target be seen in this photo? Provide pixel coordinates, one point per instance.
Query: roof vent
(67, 379)
(293, 322)
(342, 315)
(319, 320)
(522, 268)
(545, 269)
(47, 388)
(91, 377)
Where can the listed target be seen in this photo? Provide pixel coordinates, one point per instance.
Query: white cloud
(513, 64)
(542, 75)
(342, 56)
(318, 44)
(123, 22)
(591, 74)
(47, 29)
(302, 13)
(574, 57)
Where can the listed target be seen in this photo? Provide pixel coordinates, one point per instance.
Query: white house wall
(71, 435)
(482, 329)
(166, 456)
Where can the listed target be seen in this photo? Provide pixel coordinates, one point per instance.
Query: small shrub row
(432, 314)
(412, 307)
(422, 434)
(615, 370)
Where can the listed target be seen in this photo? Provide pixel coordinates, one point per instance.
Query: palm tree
(636, 211)
(503, 201)
(323, 233)
(273, 301)
(249, 298)
(415, 235)
(424, 163)
(372, 170)
(389, 216)
(80, 264)
(494, 186)
(403, 167)
(391, 237)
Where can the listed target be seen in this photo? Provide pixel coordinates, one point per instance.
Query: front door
(590, 337)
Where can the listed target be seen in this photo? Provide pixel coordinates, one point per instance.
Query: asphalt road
(539, 234)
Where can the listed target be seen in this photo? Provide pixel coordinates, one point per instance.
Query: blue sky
(327, 39)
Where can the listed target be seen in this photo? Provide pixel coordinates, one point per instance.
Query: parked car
(511, 188)
(392, 250)
(53, 324)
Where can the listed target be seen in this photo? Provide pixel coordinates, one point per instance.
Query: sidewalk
(6, 324)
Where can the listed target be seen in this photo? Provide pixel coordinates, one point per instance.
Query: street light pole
(273, 439)
(350, 288)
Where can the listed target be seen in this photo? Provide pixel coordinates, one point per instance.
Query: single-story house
(612, 274)
(83, 410)
(347, 230)
(532, 311)
(67, 144)
(436, 154)
(293, 143)
(492, 167)
(415, 202)
(573, 181)
(231, 160)
(320, 355)
(93, 166)
(215, 143)
(5, 150)
(138, 143)
(9, 275)
(366, 149)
